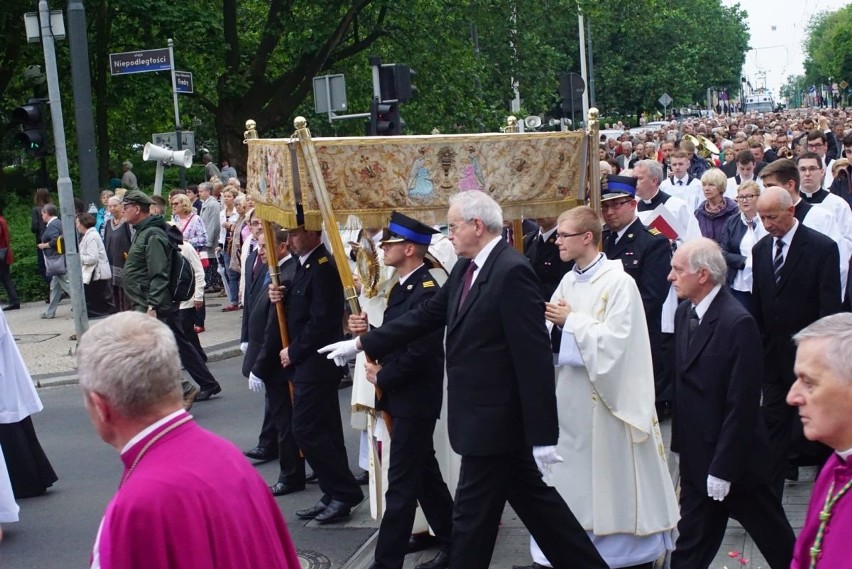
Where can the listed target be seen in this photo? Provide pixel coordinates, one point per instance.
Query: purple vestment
(192, 502)
(835, 546)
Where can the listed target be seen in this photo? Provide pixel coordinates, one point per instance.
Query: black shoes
(420, 541)
(11, 307)
(441, 561)
(281, 489)
(311, 513)
(261, 454)
(311, 478)
(206, 394)
(363, 478)
(333, 512)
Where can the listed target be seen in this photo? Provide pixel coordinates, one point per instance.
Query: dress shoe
(363, 478)
(46, 316)
(420, 541)
(281, 489)
(261, 454)
(189, 397)
(11, 307)
(440, 561)
(311, 478)
(312, 512)
(231, 308)
(335, 511)
(206, 394)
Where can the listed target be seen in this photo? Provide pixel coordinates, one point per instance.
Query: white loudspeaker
(532, 122)
(166, 156)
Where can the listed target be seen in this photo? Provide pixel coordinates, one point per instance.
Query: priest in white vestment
(614, 475)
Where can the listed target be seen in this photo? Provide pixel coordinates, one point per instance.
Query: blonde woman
(97, 275)
(739, 235)
(714, 211)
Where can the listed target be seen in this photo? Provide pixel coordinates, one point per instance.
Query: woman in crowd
(97, 276)
(715, 210)
(739, 235)
(229, 218)
(42, 197)
(7, 257)
(189, 223)
(103, 212)
(117, 237)
(235, 252)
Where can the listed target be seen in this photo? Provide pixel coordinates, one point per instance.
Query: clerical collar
(816, 197)
(545, 235)
(704, 304)
(654, 197)
(404, 278)
(150, 429)
(303, 258)
(845, 454)
(584, 275)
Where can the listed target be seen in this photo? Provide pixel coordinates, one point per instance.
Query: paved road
(57, 530)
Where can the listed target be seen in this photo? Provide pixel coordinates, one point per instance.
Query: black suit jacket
(252, 289)
(412, 377)
(646, 257)
(809, 289)
(545, 261)
(263, 336)
(732, 237)
(314, 308)
(717, 426)
(501, 386)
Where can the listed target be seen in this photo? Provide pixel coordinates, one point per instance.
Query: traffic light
(395, 82)
(32, 137)
(384, 119)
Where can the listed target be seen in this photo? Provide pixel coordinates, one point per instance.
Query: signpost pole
(177, 111)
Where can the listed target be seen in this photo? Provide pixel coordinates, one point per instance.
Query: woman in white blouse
(739, 235)
(97, 276)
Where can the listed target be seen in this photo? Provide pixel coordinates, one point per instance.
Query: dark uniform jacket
(412, 377)
(544, 257)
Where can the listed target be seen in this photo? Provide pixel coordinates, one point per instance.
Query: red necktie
(468, 280)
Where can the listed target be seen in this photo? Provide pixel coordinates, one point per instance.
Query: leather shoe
(311, 478)
(420, 541)
(280, 489)
(335, 511)
(440, 561)
(11, 307)
(312, 512)
(261, 454)
(206, 394)
(363, 478)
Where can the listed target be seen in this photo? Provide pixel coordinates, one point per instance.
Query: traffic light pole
(63, 184)
(82, 87)
(178, 128)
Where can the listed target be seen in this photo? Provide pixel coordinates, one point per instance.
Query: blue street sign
(183, 81)
(139, 61)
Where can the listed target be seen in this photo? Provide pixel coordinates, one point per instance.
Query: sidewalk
(48, 350)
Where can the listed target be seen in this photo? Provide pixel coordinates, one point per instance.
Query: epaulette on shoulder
(428, 284)
(322, 260)
(654, 231)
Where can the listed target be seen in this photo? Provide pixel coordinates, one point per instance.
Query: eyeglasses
(807, 169)
(811, 146)
(613, 204)
(567, 235)
(746, 197)
(176, 203)
(453, 227)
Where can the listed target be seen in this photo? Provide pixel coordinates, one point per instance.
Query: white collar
(405, 278)
(701, 307)
(482, 256)
(150, 429)
(845, 454)
(303, 258)
(546, 234)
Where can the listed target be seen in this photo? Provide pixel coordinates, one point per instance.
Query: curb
(364, 557)
(215, 353)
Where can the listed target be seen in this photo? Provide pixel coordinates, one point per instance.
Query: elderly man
(187, 497)
(823, 394)
(502, 404)
(128, 178)
(716, 424)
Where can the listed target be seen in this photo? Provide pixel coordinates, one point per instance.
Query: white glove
(545, 456)
(244, 347)
(717, 488)
(341, 352)
(255, 383)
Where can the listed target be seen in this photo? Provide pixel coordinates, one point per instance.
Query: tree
(828, 46)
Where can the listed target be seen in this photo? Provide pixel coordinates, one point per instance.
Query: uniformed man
(646, 255)
(541, 249)
(411, 381)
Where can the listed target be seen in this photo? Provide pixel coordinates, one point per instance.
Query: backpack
(181, 275)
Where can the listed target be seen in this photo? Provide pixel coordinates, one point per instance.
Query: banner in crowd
(529, 174)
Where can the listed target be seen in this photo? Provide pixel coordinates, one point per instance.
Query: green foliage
(25, 275)
(828, 47)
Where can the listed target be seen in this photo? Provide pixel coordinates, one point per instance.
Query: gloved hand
(717, 488)
(243, 347)
(255, 383)
(341, 352)
(545, 456)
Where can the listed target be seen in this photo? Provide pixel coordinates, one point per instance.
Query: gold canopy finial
(300, 123)
(251, 131)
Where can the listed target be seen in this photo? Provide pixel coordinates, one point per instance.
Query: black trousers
(281, 416)
(268, 438)
(485, 484)
(319, 433)
(189, 357)
(187, 321)
(779, 419)
(6, 281)
(413, 475)
(703, 521)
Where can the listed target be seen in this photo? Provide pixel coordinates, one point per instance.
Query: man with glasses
(818, 143)
(645, 254)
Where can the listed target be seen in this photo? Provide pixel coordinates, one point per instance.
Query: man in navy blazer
(803, 289)
(716, 421)
(501, 390)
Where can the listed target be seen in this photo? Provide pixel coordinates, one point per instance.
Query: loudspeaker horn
(532, 122)
(152, 152)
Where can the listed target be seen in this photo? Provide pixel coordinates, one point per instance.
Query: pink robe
(836, 549)
(192, 502)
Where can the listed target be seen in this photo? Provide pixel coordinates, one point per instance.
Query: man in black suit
(796, 275)
(716, 426)
(263, 369)
(411, 380)
(645, 254)
(502, 401)
(314, 308)
(543, 253)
